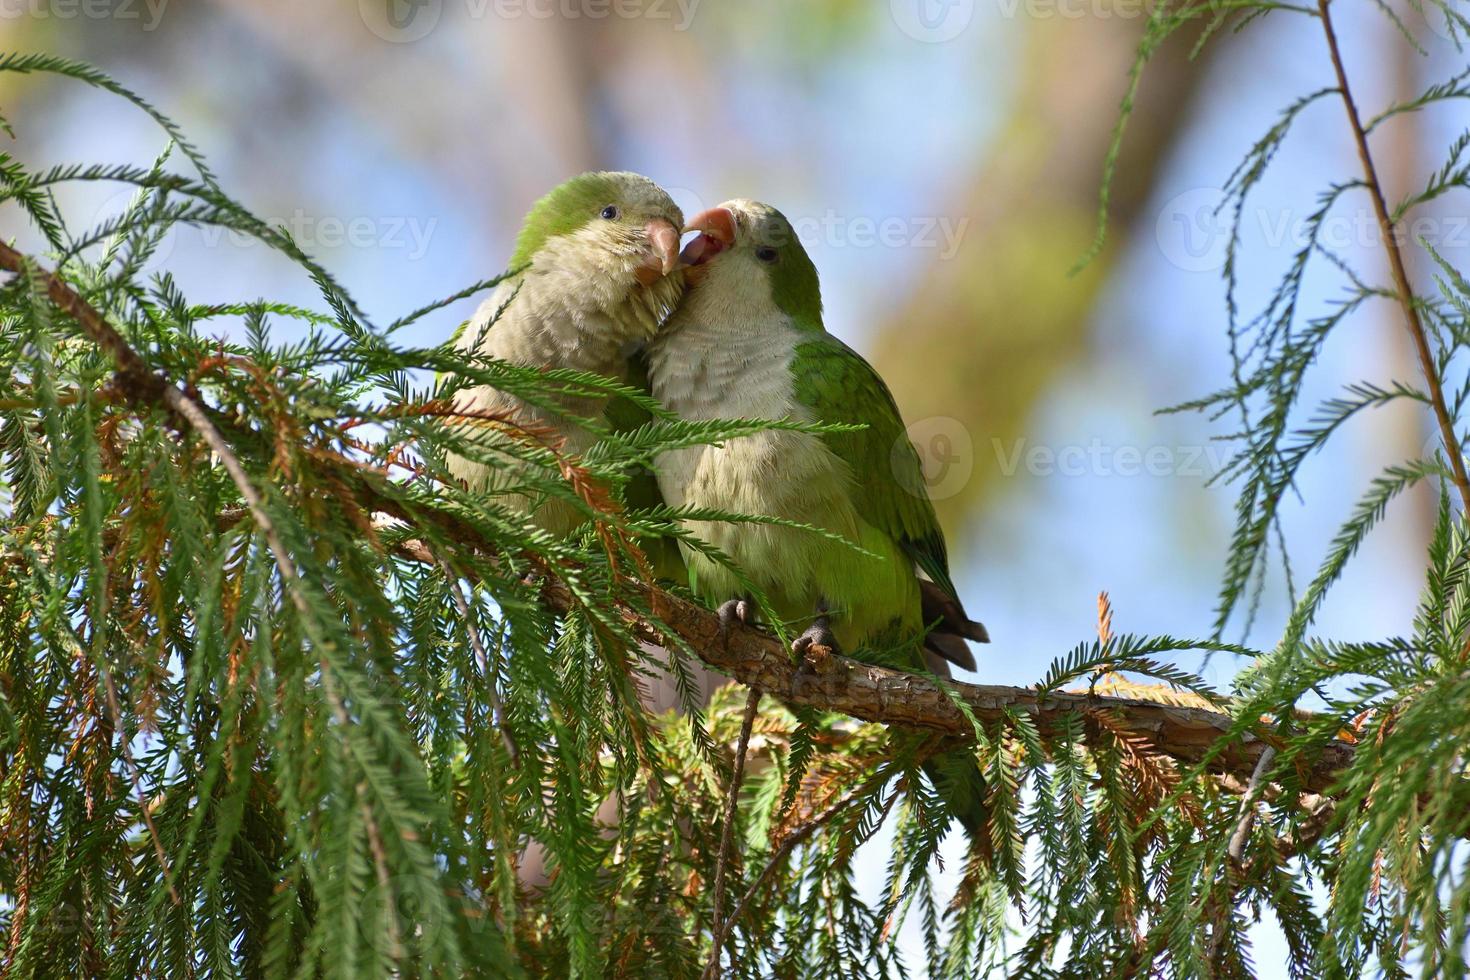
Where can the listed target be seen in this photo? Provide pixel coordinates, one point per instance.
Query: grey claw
(818, 634)
(813, 649)
(732, 612)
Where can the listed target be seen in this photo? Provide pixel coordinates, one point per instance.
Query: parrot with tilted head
(747, 341)
(594, 275)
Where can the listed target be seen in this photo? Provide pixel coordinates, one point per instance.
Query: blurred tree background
(944, 159)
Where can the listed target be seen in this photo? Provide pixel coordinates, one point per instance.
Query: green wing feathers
(889, 491)
(840, 387)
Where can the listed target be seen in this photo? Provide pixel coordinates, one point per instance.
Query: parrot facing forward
(748, 342)
(595, 275)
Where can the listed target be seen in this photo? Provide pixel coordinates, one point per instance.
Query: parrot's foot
(732, 612)
(818, 634)
(735, 611)
(815, 647)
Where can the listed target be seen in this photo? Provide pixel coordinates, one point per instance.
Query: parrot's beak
(716, 229)
(663, 250)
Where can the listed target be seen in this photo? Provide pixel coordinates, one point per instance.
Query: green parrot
(595, 276)
(747, 341)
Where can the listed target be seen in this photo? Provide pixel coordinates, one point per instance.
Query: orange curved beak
(663, 244)
(717, 223)
(716, 229)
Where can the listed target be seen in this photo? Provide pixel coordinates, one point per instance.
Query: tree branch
(755, 658)
(1389, 233)
(789, 843)
(913, 701)
(1248, 807)
(727, 833)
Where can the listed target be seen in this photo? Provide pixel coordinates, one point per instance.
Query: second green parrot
(748, 342)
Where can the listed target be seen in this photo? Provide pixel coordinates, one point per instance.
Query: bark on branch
(894, 697)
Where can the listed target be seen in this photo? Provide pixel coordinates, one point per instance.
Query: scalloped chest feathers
(702, 372)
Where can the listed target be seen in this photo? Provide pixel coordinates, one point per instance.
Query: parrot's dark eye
(767, 254)
(611, 212)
